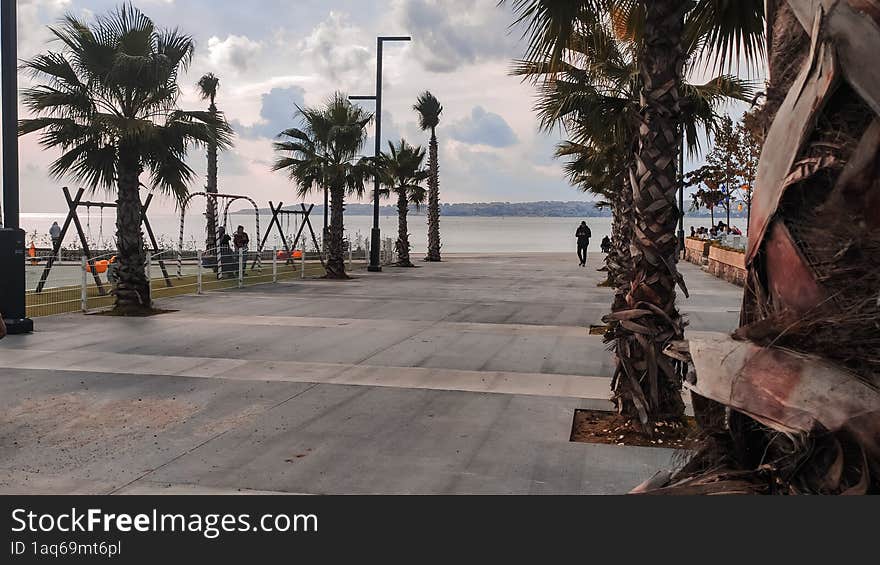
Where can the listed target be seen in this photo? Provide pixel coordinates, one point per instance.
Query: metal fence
(173, 274)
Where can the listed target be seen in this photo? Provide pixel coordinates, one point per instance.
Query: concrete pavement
(460, 377)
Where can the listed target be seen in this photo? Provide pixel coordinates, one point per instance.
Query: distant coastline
(543, 209)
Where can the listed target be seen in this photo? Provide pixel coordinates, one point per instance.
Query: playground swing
(225, 265)
(278, 212)
(73, 204)
(101, 242)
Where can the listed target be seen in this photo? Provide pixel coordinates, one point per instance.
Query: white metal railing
(90, 283)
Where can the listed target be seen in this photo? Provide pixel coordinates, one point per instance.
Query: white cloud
(236, 52)
(448, 34)
(336, 49)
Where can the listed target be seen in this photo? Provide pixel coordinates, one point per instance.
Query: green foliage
(323, 152)
(429, 110)
(114, 85)
(593, 92)
(401, 171)
(208, 85)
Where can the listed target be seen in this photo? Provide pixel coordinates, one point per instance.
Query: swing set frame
(277, 213)
(73, 204)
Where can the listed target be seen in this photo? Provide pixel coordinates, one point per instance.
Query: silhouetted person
(227, 262)
(241, 240)
(606, 245)
(55, 234)
(583, 235)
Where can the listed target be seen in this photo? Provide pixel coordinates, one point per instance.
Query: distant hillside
(483, 209)
(544, 209)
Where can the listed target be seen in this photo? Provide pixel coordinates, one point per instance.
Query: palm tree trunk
(622, 268)
(211, 188)
(813, 270)
(325, 234)
(433, 201)
(402, 245)
(336, 251)
(133, 287)
(211, 211)
(647, 385)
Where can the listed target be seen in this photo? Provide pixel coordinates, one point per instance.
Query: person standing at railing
(55, 234)
(228, 263)
(241, 240)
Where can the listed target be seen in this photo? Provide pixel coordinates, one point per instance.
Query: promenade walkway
(460, 377)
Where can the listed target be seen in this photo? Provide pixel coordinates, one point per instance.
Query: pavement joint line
(373, 297)
(492, 382)
(408, 338)
(359, 323)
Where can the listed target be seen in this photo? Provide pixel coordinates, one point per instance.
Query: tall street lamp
(681, 196)
(12, 294)
(375, 239)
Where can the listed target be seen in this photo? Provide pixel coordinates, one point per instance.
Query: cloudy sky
(272, 54)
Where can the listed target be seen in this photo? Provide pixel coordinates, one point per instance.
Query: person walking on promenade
(606, 245)
(583, 235)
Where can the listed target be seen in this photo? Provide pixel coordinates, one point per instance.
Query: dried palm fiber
(794, 406)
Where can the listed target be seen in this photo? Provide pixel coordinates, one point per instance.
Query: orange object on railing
(284, 255)
(100, 267)
(32, 253)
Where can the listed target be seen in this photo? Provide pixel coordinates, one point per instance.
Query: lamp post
(12, 293)
(681, 195)
(376, 235)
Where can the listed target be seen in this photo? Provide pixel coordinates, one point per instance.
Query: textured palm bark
(620, 262)
(402, 243)
(336, 247)
(647, 386)
(133, 287)
(211, 188)
(812, 282)
(433, 201)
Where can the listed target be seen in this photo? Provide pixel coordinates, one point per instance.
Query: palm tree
(596, 88)
(324, 154)
(402, 173)
(108, 100)
(429, 110)
(208, 86)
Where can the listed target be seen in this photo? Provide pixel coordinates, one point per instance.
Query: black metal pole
(12, 271)
(376, 234)
(9, 99)
(681, 193)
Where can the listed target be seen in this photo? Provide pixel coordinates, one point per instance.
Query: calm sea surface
(459, 234)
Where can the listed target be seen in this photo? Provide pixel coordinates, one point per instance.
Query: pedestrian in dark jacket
(583, 235)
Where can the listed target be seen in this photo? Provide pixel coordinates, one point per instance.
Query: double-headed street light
(375, 239)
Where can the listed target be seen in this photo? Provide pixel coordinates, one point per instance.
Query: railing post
(199, 257)
(150, 273)
(350, 260)
(302, 262)
(241, 268)
(84, 294)
(275, 264)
